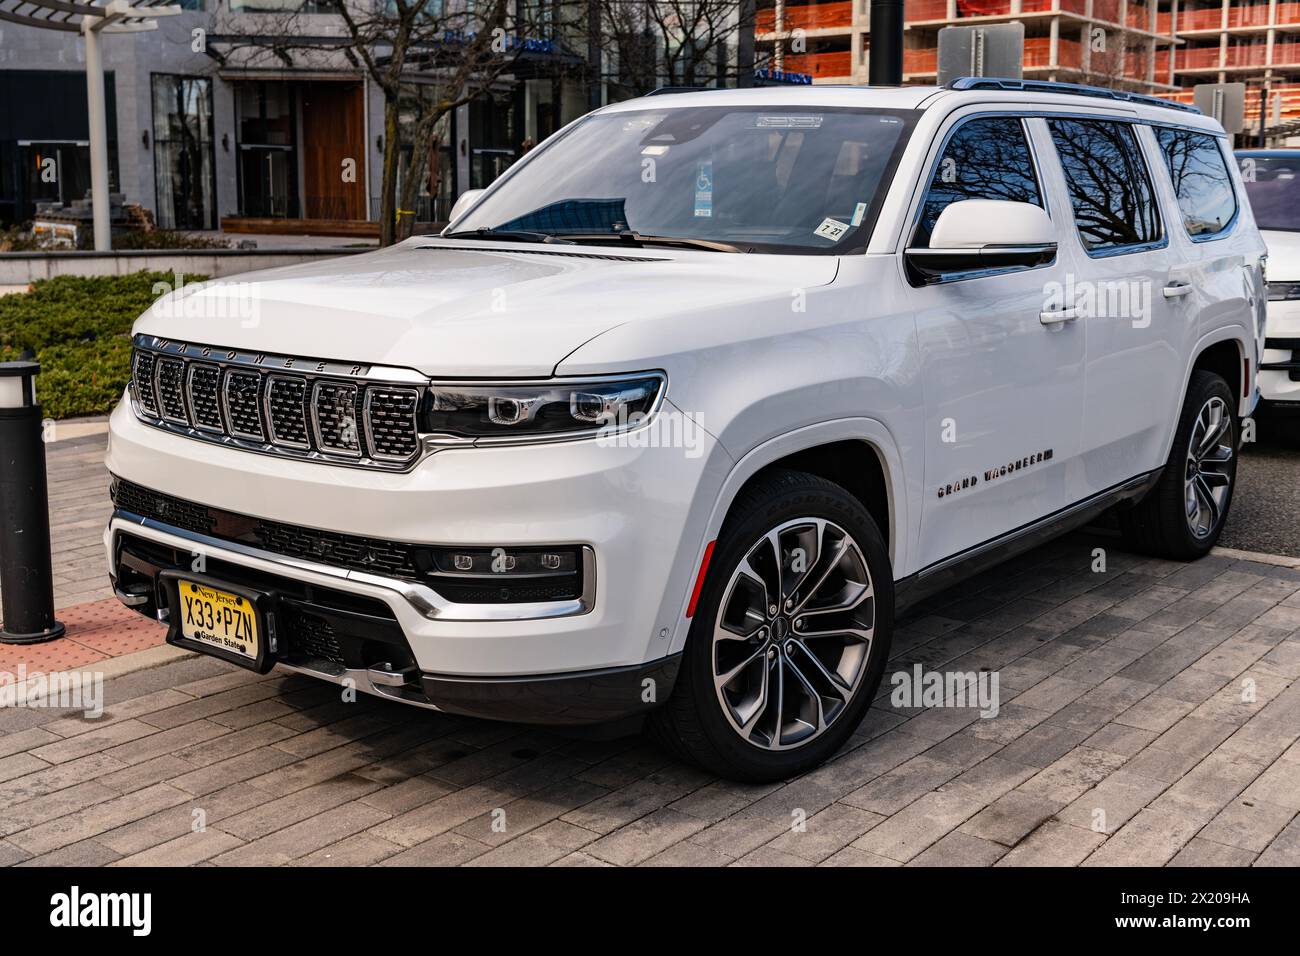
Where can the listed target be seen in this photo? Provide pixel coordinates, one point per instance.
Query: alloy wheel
(793, 633)
(1208, 478)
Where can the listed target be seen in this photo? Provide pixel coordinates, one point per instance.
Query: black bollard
(26, 579)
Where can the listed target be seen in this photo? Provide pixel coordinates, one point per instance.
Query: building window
(268, 150)
(182, 152)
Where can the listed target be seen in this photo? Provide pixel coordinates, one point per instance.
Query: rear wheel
(790, 636)
(1184, 514)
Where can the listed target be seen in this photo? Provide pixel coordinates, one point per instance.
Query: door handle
(1058, 316)
(1176, 289)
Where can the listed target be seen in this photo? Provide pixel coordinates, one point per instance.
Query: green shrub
(79, 327)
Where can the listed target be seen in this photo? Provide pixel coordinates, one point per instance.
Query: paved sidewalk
(1149, 715)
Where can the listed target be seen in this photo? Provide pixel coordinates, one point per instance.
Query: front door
(1003, 389)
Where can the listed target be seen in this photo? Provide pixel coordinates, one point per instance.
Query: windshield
(1273, 189)
(775, 179)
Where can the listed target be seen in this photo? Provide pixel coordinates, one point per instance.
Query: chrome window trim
(426, 602)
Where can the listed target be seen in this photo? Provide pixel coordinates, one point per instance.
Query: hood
(467, 308)
(1283, 254)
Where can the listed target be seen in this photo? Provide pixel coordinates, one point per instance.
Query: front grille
(273, 406)
(394, 559)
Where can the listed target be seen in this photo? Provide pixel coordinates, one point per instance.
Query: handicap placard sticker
(704, 191)
(832, 229)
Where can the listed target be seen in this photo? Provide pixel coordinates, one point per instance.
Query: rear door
(1137, 336)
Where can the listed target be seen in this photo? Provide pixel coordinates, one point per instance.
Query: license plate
(218, 619)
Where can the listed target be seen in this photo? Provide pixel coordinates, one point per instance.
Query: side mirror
(977, 234)
(466, 199)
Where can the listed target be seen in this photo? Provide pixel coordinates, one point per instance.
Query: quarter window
(1200, 178)
(983, 159)
(1110, 190)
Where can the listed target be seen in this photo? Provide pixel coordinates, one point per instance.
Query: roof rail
(1075, 89)
(664, 90)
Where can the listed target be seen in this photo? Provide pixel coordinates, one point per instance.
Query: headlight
(522, 412)
(1283, 291)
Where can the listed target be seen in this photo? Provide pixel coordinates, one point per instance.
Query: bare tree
(674, 42)
(427, 57)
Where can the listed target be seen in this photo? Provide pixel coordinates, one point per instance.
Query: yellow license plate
(218, 619)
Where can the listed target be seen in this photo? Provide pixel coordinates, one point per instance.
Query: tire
(827, 655)
(1163, 523)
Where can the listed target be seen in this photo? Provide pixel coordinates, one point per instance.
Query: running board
(944, 574)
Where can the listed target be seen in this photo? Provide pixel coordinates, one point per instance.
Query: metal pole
(885, 65)
(98, 134)
(745, 44)
(26, 577)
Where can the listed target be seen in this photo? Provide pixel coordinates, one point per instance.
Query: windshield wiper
(637, 239)
(509, 235)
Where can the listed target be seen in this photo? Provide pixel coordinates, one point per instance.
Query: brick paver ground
(1149, 715)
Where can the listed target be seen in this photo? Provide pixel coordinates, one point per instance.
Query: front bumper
(337, 636)
(633, 509)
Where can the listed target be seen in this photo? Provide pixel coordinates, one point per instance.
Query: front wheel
(1184, 514)
(790, 636)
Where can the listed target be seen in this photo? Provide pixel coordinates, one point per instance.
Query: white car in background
(671, 421)
(1272, 180)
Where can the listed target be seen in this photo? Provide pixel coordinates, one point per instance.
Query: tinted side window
(1200, 178)
(984, 159)
(1114, 204)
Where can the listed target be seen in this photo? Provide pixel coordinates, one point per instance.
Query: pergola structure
(90, 18)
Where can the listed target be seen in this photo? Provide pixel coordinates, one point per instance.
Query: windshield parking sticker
(859, 211)
(704, 191)
(831, 229)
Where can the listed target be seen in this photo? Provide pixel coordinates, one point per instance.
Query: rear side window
(983, 159)
(1110, 190)
(1201, 180)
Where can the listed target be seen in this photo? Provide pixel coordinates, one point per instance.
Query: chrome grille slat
(169, 386)
(241, 394)
(286, 410)
(323, 411)
(334, 418)
(390, 422)
(203, 392)
(142, 369)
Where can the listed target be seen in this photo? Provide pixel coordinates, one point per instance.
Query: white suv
(1272, 178)
(675, 418)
